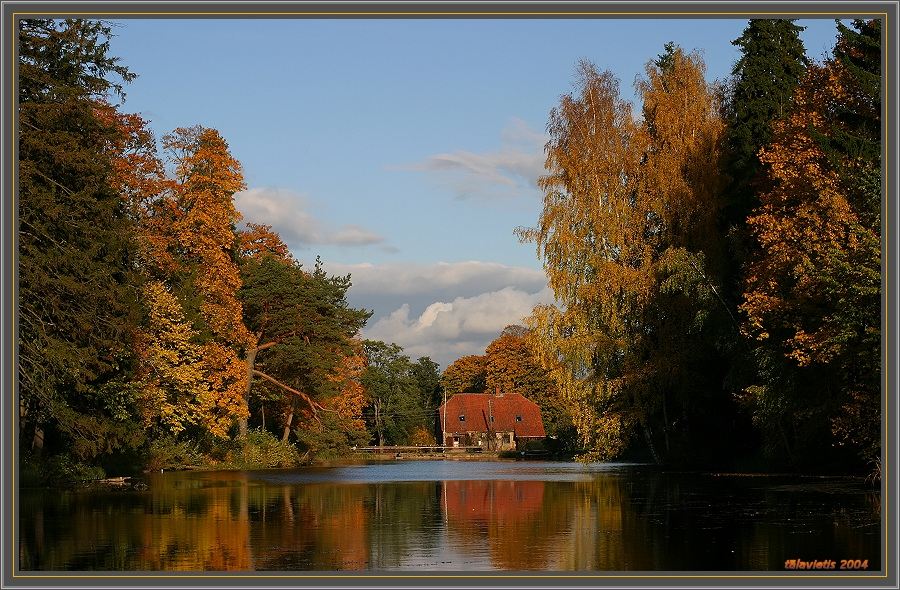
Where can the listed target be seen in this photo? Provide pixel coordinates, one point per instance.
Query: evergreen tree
(76, 275)
(303, 329)
(772, 62)
(760, 93)
(813, 287)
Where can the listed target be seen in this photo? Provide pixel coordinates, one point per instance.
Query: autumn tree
(628, 243)
(77, 287)
(590, 237)
(686, 314)
(465, 375)
(197, 219)
(813, 291)
(175, 392)
(512, 367)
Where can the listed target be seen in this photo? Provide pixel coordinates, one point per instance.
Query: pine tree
(301, 329)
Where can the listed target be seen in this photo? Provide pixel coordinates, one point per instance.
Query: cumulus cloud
(446, 331)
(288, 213)
(443, 310)
(510, 171)
(462, 278)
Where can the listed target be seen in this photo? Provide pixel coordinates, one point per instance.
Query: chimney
(497, 391)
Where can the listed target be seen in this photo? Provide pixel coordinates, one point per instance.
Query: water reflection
(606, 520)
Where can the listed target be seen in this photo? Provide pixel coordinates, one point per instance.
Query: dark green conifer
(76, 273)
(763, 82)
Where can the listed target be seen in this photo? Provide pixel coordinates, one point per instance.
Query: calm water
(453, 515)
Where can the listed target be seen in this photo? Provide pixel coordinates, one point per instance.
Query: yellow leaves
(619, 194)
(188, 230)
(351, 400)
(175, 387)
(224, 403)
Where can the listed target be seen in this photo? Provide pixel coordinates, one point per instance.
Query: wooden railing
(415, 449)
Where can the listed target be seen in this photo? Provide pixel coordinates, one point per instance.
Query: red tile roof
(505, 408)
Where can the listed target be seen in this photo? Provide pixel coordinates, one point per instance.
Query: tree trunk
(666, 423)
(288, 422)
(250, 361)
(649, 436)
(378, 424)
(37, 442)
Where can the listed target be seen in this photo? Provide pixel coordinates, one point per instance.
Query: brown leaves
(801, 223)
(465, 375)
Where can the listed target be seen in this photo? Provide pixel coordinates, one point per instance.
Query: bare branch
(313, 404)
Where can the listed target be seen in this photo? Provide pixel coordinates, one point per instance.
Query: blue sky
(402, 151)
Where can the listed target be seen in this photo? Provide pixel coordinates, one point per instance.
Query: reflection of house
(507, 518)
(492, 421)
(492, 500)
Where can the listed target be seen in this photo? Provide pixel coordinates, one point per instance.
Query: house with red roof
(494, 421)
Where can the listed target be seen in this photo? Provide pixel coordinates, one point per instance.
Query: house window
(492, 418)
(462, 417)
(518, 418)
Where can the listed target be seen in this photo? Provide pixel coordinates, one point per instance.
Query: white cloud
(443, 310)
(287, 212)
(465, 278)
(446, 331)
(510, 171)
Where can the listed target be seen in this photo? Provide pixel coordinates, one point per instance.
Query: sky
(402, 152)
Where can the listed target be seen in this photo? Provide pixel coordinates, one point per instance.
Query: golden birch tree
(629, 207)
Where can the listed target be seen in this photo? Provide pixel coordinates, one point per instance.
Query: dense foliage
(718, 263)
(402, 395)
(715, 254)
(152, 323)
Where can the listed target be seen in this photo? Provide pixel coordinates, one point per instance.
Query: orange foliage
(207, 178)
(465, 374)
(800, 224)
(259, 239)
(137, 172)
(351, 400)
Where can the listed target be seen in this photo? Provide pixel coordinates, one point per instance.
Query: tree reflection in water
(234, 521)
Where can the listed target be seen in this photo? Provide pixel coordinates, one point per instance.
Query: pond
(454, 516)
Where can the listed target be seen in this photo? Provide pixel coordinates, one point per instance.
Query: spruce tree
(75, 264)
(760, 92)
(772, 62)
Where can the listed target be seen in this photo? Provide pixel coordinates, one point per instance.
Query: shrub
(422, 437)
(262, 450)
(169, 453)
(331, 438)
(57, 471)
